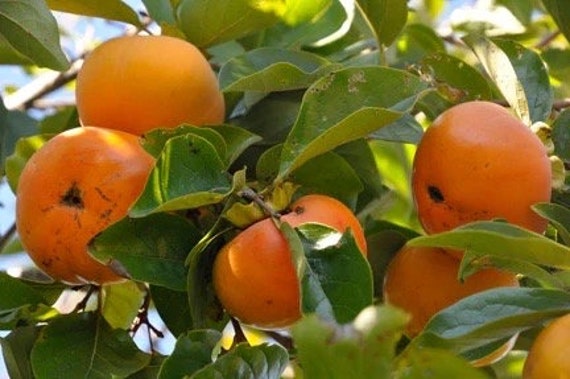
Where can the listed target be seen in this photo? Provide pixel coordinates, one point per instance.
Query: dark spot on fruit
(269, 302)
(73, 197)
(101, 194)
(435, 194)
(299, 210)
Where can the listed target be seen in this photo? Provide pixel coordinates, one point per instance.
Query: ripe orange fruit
(138, 83)
(478, 162)
(548, 356)
(423, 281)
(253, 274)
(73, 187)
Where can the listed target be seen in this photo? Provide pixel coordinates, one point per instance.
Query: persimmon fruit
(253, 273)
(138, 83)
(78, 183)
(548, 355)
(423, 281)
(476, 162)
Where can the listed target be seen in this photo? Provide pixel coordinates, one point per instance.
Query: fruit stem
(7, 236)
(249, 194)
(143, 319)
(91, 289)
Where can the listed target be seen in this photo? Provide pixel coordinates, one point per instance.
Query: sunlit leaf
(362, 349)
(120, 303)
(561, 14)
(16, 348)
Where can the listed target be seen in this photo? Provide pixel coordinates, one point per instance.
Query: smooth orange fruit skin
(548, 356)
(478, 162)
(138, 83)
(253, 274)
(72, 188)
(423, 281)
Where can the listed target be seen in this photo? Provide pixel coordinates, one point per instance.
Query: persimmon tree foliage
(321, 97)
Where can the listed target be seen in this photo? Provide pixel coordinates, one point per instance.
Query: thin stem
(91, 289)
(249, 194)
(547, 40)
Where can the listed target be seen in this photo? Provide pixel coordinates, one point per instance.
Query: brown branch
(561, 104)
(5, 238)
(547, 40)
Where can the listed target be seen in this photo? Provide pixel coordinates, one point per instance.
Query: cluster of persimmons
(91, 175)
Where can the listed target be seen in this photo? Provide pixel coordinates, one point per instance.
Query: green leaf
(237, 140)
(206, 23)
(24, 149)
(107, 9)
(273, 69)
(417, 41)
(258, 362)
(14, 293)
(345, 106)
(386, 17)
(341, 271)
(559, 216)
(561, 135)
(456, 78)
(150, 249)
(502, 240)
(193, 351)
(11, 56)
(533, 75)
(120, 303)
(406, 129)
(422, 363)
(161, 11)
(63, 119)
(561, 15)
(16, 348)
(83, 345)
(31, 29)
(172, 307)
(189, 173)
(13, 126)
(491, 316)
(519, 73)
(155, 140)
(318, 175)
(316, 31)
(363, 349)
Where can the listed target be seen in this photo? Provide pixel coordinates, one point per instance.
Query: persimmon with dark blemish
(64, 194)
(477, 161)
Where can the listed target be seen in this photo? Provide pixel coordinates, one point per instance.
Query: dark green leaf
(491, 316)
(533, 75)
(161, 11)
(273, 69)
(173, 308)
(106, 9)
(406, 129)
(83, 345)
(149, 249)
(561, 15)
(417, 41)
(11, 56)
(237, 140)
(206, 23)
(13, 126)
(151, 370)
(503, 240)
(345, 106)
(386, 18)
(188, 174)
(16, 348)
(559, 216)
(247, 362)
(192, 352)
(65, 118)
(31, 29)
(363, 349)
(15, 293)
(561, 135)
(341, 271)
